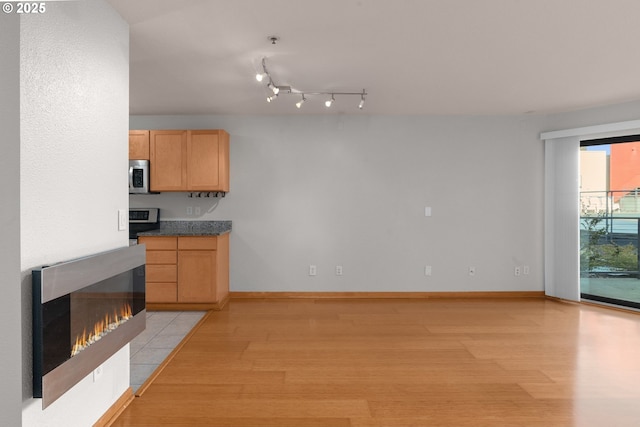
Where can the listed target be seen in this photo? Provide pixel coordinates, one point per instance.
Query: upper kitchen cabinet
(207, 160)
(138, 145)
(168, 158)
(189, 160)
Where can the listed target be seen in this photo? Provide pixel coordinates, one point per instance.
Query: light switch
(427, 211)
(123, 219)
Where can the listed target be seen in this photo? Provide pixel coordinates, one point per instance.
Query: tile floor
(164, 331)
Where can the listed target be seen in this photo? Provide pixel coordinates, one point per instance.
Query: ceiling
(411, 56)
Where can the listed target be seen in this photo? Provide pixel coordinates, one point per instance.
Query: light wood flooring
(431, 362)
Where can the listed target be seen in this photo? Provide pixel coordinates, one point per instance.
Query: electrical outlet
(427, 270)
(472, 271)
(338, 270)
(526, 270)
(198, 210)
(97, 373)
(313, 270)
(189, 210)
(516, 271)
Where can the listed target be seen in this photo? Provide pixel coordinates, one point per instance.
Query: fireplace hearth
(84, 311)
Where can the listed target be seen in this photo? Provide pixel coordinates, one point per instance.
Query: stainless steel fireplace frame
(51, 282)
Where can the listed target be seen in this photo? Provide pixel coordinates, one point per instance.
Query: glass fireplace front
(83, 312)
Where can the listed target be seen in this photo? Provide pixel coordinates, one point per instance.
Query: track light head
(328, 102)
(361, 102)
(275, 89)
(272, 97)
(299, 103)
(260, 75)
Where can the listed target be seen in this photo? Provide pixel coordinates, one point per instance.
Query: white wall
(351, 191)
(10, 315)
(74, 78)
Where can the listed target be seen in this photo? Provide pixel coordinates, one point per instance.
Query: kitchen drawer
(159, 243)
(162, 273)
(162, 257)
(197, 243)
(162, 292)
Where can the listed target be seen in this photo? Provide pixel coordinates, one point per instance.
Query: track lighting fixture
(328, 102)
(287, 90)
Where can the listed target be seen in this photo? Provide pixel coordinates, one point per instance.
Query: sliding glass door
(610, 220)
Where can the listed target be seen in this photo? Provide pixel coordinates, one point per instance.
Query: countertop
(189, 228)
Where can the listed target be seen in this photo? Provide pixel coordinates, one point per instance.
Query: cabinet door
(196, 276)
(208, 160)
(168, 158)
(138, 145)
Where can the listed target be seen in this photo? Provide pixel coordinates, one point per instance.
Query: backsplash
(181, 207)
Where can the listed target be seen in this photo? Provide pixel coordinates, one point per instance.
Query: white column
(562, 218)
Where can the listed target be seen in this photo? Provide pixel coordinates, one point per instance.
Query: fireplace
(84, 311)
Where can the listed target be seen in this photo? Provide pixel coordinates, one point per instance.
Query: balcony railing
(610, 233)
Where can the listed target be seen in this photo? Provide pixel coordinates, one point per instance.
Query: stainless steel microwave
(139, 176)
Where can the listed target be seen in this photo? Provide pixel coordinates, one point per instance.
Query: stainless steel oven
(142, 219)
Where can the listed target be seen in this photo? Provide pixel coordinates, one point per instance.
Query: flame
(101, 328)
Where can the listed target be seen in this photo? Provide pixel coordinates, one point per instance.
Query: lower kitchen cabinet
(187, 272)
(197, 261)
